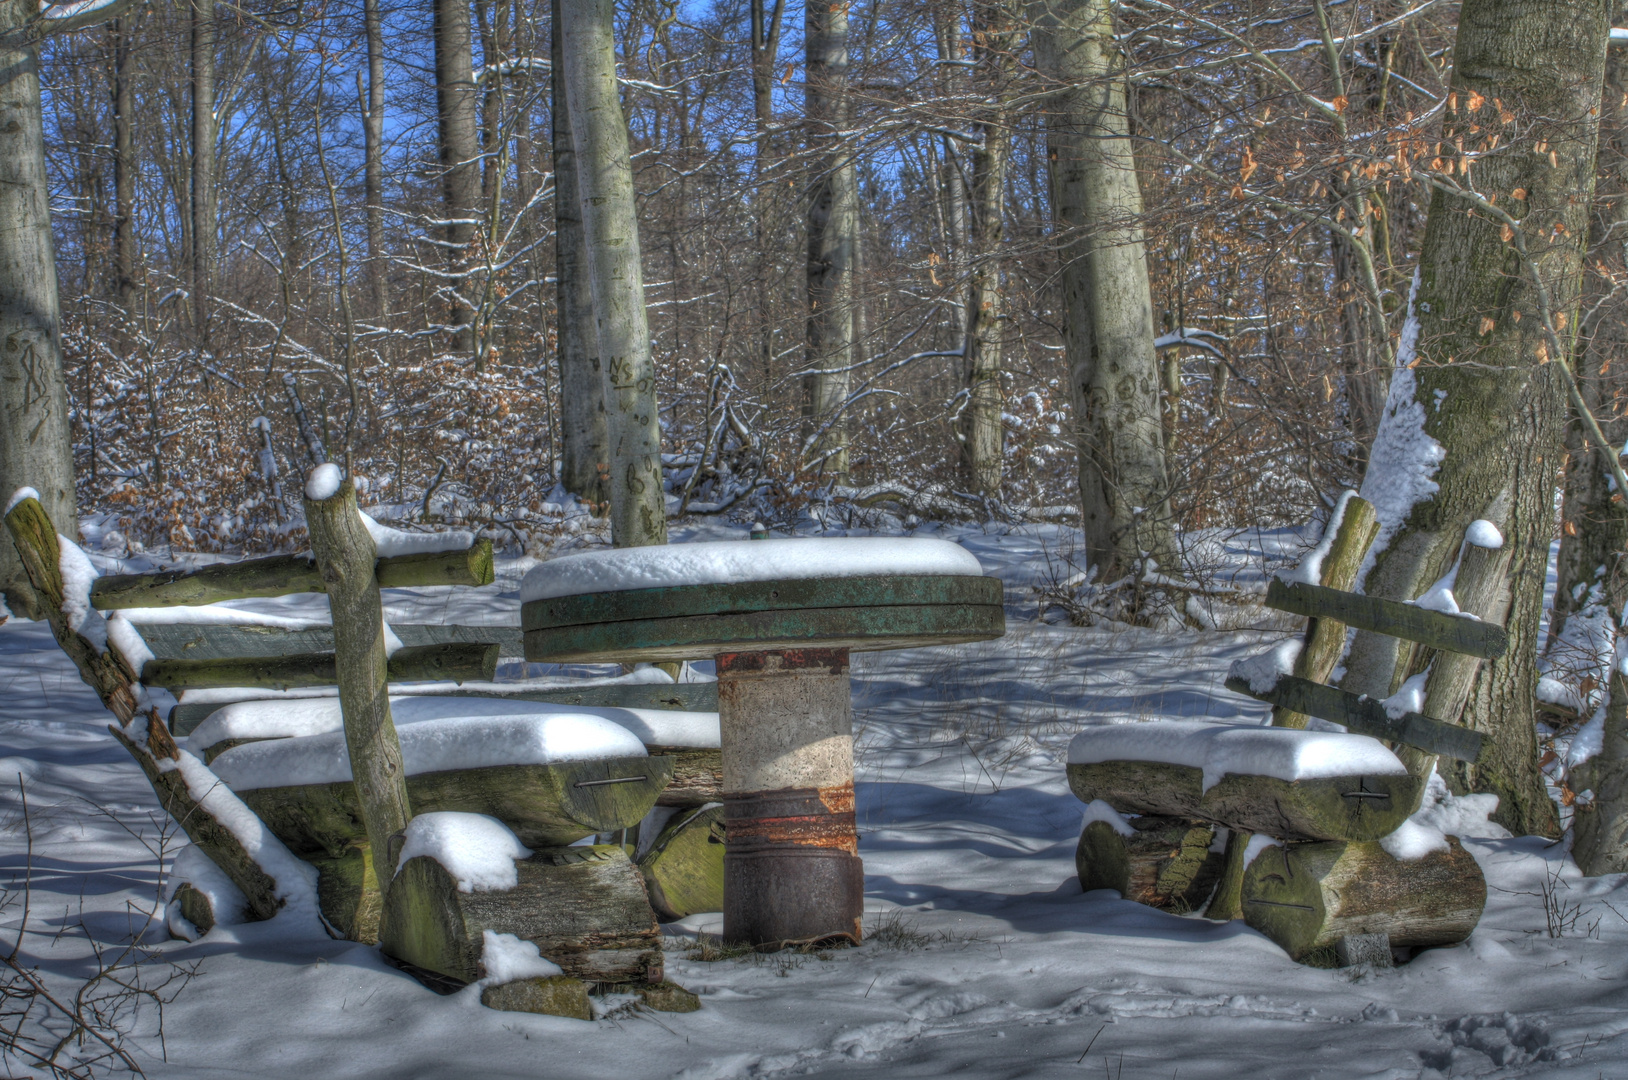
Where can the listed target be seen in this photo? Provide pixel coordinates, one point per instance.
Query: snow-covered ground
(985, 959)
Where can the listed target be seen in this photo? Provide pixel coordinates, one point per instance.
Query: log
(423, 663)
(554, 995)
(140, 730)
(684, 868)
(1167, 864)
(684, 697)
(583, 907)
(1363, 715)
(1306, 897)
(1226, 903)
(1434, 629)
(215, 641)
(698, 776)
(545, 805)
(195, 908)
(1325, 636)
(1327, 808)
(282, 575)
(348, 893)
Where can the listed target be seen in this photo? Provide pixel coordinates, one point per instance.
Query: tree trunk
(345, 553)
(610, 229)
(1109, 330)
(204, 34)
(1478, 384)
(373, 153)
(458, 113)
(124, 170)
(833, 238)
(585, 457)
(36, 447)
(983, 431)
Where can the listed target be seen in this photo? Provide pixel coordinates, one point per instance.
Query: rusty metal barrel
(780, 618)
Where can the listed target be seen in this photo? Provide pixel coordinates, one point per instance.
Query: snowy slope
(990, 963)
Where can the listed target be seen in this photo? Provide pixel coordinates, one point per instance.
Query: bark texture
(610, 228)
(457, 111)
(585, 455)
(1109, 330)
(36, 448)
(1483, 387)
(833, 238)
(204, 126)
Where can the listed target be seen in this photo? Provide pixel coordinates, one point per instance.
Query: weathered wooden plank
(1450, 633)
(425, 663)
(545, 805)
(1325, 636)
(1364, 715)
(683, 697)
(281, 575)
(215, 641)
(697, 637)
(757, 596)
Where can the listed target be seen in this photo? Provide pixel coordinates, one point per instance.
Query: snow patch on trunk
(478, 850)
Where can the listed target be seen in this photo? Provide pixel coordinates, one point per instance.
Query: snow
(507, 958)
(1463, 816)
(434, 744)
(77, 576)
(128, 642)
(18, 496)
(638, 677)
(390, 543)
(1439, 597)
(1097, 810)
(1403, 461)
(58, 12)
(1619, 33)
(1589, 740)
(1259, 842)
(1262, 671)
(283, 718)
(1309, 571)
(323, 482)
(1219, 749)
(193, 867)
(1484, 534)
(1410, 698)
(219, 615)
(476, 849)
(732, 561)
(980, 865)
(1413, 840)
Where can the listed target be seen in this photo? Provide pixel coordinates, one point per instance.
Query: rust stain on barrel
(761, 821)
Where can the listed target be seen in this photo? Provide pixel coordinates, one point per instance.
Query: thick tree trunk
(585, 457)
(36, 448)
(204, 34)
(373, 153)
(1109, 330)
(610, 229)
(124, 169)
(833, 238)
(1476, 413)
(982, 433)
(458, 113)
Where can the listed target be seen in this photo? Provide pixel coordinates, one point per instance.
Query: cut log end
(684, 868)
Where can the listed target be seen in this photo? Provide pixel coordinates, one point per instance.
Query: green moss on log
(1166, 864)
(555, 995)
(348, 893)
(1306, 897)
(1327, 808)
(583, 907)
(684, 867)
(546, 805)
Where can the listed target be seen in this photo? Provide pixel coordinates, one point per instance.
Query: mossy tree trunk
(1480, 382)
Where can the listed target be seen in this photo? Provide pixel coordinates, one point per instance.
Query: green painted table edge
(754, 596)
(700, 637)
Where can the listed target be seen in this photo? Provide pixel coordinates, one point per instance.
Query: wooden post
(346, 556)
(1355, 526)
(105, 672)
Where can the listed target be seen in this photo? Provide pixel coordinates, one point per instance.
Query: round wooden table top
(698, 622)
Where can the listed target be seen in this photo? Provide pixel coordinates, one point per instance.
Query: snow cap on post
(323, 482)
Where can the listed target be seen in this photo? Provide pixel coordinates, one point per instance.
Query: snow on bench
(469, 735)
(287, 718)
(1218, 749)
(721, 562)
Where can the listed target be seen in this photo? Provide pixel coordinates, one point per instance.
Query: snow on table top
(722, 562)
(1219, 749)
(478, 850)
(644, 676)
(433, 745)
(284, 718)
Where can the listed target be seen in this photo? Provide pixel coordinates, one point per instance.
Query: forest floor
(984, 958)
